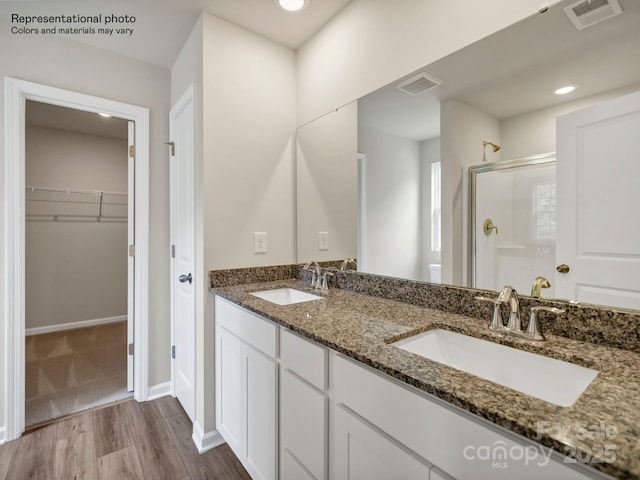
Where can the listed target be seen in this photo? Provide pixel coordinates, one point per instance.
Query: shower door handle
(185, 278)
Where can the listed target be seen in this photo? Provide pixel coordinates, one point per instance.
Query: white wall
(326, 175)
(249, 122)
(394, 243)
(66, 64)
(535, 132)
(90, 255)
(246, 180)
(374, 42)
(429, 154)
(463, 130)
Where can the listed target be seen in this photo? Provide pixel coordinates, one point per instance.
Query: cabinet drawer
(304, 358)
(253, 329)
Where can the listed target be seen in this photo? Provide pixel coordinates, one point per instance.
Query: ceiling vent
(418, 84)
(586, 13)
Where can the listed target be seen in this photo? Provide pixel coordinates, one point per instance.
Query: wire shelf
(59, 202)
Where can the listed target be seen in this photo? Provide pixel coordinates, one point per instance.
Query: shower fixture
(493, 145)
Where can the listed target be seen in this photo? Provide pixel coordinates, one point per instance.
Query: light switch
(259, 242)
(323, 240)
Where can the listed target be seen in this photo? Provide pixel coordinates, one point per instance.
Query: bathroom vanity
(325, 395)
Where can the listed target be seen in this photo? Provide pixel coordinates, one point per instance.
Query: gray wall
(76, 269)
(67, 64)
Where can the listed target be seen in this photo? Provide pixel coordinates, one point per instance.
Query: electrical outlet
(323, 240)
(259, 242)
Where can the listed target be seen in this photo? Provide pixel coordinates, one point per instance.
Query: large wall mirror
(410, 183)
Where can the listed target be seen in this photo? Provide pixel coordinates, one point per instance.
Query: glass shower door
(513, 224)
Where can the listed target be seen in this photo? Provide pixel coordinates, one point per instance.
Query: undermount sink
(554, 381)
(286, 296)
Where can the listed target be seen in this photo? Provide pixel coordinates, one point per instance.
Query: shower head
(493, 146)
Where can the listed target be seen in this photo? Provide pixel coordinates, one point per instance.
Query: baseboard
(72, 325)
(205, 441)
(160, 390)
(3, 435)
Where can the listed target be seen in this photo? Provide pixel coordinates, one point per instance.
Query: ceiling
(78, 121)
(516, 70)
(162, 26)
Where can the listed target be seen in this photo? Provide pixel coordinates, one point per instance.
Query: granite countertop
(603, 425)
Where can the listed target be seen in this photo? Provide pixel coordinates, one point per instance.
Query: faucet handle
(533, 330)
(497, 324)
(314, 268)
(482, 298)
(325, 284)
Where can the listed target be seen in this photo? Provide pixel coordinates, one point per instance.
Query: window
(544, 212)
(435, 206)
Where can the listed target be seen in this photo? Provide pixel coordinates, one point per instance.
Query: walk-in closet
(76, 205)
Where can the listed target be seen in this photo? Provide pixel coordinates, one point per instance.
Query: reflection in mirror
(399, 140)
(326, 187)
(498, 90)
(513, 224)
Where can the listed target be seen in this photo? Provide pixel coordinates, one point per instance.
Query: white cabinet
(261, 407)
(229, 416)
(317, 415)
(247, 388)
(363, 451)
(304, 406)
(434, 432)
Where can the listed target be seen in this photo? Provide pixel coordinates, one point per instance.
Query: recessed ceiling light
(565, 90)
(107, 115)
(292, 5)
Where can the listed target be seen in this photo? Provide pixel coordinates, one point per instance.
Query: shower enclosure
(513, 223)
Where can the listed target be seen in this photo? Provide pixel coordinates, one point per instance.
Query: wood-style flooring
(126, 440)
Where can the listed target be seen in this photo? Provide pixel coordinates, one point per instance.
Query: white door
(261, 414)
(598, 226)
(229, 389)
(183, 280)
(131, 259)
(303, 429)
(362, 452)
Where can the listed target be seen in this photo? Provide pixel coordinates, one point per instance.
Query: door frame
(187, 97)
(16, 93)
(362, 212)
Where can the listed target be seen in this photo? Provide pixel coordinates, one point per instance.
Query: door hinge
(173, 352)
(132, 250)
(132, 151)
(131, 349)
(173, 148)
(173, 251)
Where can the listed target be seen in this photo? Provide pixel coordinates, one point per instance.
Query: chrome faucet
(346, 262)
(508, 295)
(314, 268)
(538, 284)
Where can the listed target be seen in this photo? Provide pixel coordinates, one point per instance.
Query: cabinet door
(229, 389)
(362, 452)
(303, 427)
(261, 414)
